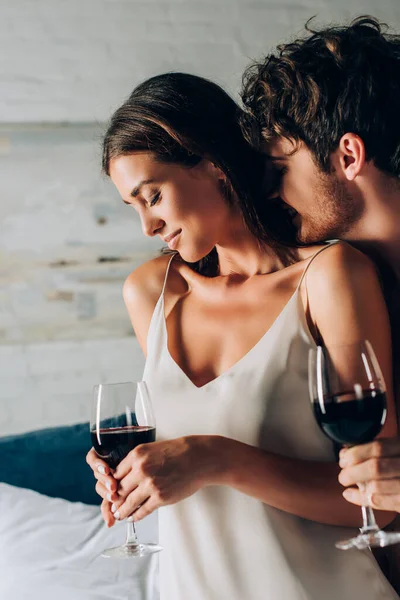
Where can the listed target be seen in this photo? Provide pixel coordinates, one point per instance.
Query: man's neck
(378, 231)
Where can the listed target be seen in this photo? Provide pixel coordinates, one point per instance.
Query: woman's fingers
(108, 481)
(145, 509)
(101, 471)
(105, 493)
(129, 505)
(125, 466)
(127, 485)
(107, 514)
(96, 464)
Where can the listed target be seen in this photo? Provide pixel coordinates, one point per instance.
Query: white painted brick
(7, 415)
(13, 362)
(76, 60)
(61, 357)
(111, 349)
(14, 387)
(27, 414)
(60, 392)
(66, 410)
(76, 383)
(119, 360)
(132, 372)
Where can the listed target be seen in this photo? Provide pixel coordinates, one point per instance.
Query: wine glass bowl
(122, 419)
(115, 438)
(348, 396)
(347, 392)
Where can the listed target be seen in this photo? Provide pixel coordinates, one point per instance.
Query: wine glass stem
(369, 523)
(131, 537)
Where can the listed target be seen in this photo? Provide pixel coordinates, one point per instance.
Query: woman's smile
(172, 239)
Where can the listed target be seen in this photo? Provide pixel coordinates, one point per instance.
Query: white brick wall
(64, 328)
(52, 285)
(73, 60)
(51, 383)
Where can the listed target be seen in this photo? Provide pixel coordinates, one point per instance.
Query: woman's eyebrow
(137, 189)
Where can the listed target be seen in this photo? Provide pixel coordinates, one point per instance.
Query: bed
(51, 530)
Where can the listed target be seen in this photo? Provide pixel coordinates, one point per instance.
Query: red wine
(352, 421)
(113, 444)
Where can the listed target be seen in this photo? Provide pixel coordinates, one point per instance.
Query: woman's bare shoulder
(141, 292)
(143, 288)
(146, 281)
(344, 295)
(340, 263)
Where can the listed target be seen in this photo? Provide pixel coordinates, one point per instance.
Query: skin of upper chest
(215, 323)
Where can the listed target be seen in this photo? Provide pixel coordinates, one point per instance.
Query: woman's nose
(152, 227)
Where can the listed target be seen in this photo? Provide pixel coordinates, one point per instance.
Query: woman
(251, 505)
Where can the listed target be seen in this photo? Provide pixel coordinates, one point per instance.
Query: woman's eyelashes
(150, 202)
(154, 199)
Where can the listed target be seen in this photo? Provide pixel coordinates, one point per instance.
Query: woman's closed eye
(154, 199)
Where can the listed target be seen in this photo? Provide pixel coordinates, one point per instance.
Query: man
(326, 109)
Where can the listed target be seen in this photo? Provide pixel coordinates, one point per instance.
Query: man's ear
(349, 157)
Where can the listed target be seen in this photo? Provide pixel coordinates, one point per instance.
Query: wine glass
(122, 418)
(348, 395)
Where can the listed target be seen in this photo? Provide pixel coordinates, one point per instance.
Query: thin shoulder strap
(328, 245)
(166, 274)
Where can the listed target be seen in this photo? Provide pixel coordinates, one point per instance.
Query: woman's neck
(241, 255)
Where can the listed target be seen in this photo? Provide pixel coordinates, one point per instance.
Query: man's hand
(378, 466)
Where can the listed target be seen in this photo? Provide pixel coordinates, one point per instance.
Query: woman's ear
(216, 171)
(350, 155)
(222, 180)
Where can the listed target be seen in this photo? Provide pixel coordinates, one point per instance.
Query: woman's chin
(192, 255)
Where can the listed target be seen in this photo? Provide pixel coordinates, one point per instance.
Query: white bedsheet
(49, 550)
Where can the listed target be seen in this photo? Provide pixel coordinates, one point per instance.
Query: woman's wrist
(211, 455)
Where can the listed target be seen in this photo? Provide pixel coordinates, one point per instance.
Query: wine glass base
(131, 551)
(375, 539)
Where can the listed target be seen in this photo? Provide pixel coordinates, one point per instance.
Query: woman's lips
(172, 241)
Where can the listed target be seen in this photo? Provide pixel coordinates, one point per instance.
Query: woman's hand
(105, 481)
(160, 473)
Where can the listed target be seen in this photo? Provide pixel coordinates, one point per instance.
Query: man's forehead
(281, 148)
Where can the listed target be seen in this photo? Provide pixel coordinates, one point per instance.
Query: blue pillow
(51, 462)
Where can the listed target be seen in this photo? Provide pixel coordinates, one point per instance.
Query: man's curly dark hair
(333, 81)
